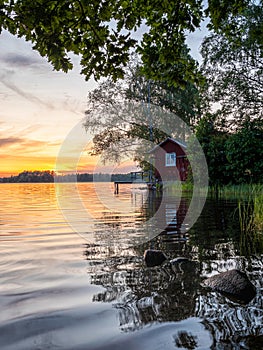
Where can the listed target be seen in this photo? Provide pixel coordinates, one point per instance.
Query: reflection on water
(59, 290)
(173, 293)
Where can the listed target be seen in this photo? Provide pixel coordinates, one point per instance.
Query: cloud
(5, 80)
(35, 144)
(23, 144)
(20, 61)
(68, 103)
(7, 141)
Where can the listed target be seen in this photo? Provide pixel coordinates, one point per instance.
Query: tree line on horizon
(47, 176)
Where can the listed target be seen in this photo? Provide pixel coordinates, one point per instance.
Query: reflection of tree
(219, 224)
(167, 293)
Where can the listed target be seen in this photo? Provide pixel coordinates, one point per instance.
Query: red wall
(178, 172)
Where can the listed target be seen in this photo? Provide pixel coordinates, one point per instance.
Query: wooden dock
(117, 183)
(137, 177)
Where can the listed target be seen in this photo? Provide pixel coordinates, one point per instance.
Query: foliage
(104, 33)
(231, 129)
(123, 114)
(244, 152)
(232, 158)
(241, 191)
(213, 145)
(31, 176)
(258, 212)
(250, 218)
(233, 66)
(48, 176)
(183, 102)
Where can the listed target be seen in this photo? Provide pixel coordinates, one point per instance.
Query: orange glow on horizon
(13, 165)
(40, 155)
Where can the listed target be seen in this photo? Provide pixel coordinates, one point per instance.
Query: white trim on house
(168, 139)
(170, 159)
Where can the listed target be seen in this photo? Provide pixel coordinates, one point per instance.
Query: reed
(239, 191)
(250, 212)
(185, 188)
(258, 212)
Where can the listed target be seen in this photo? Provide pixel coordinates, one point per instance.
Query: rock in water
(234, 284)
(154, 257)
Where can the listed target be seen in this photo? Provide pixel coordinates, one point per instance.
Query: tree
(229, 130)
(102, 32)
(213, 143)
(125, 113)
(244, 151)
(233, 66)
(232, 158)
(31, 176)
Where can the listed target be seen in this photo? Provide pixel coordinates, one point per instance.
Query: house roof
(166, 140)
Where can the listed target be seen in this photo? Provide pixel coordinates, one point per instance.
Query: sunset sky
(39, 106)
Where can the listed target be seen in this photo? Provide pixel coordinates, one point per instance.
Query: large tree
(105, 32)
(244, 152)
(233, 66)
(123, 114)
(213, 142)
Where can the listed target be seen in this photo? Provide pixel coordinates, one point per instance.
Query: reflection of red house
(170, 160)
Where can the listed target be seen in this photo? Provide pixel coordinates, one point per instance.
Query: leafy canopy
(244, 151)
(124, 114)
(105, 32)
(233, 67)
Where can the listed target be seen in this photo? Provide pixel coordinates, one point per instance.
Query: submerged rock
(234, 284)
(154, 257)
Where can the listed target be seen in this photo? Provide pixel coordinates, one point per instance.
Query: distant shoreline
(50, 177)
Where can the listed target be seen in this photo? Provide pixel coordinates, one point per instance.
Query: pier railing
(135, 177)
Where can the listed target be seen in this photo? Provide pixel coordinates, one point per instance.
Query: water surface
(63, 290)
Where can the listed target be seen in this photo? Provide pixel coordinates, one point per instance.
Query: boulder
(233, 284)
(154, 257)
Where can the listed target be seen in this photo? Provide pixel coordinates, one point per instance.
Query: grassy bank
(244, 191)
(250, 214)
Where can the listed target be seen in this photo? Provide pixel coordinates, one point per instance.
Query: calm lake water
(91, 290)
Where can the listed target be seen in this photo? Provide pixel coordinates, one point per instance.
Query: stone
(154, 257)
(233, 284)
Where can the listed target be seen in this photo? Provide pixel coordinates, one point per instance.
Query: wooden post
(116, 190)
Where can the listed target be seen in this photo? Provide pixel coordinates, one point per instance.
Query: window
(170, 159)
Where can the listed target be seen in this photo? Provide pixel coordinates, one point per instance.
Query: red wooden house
(170, 160)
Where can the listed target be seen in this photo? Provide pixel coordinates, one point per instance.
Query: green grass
(184, 187)
(244, 191)
(250, 212)
(258, 212)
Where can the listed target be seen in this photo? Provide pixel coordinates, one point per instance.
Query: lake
(76, 279)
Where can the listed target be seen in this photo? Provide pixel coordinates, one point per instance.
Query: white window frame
(170, 159)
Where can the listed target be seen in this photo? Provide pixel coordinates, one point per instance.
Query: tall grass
(243, 191)
(258, 212)
(185, 187)
(250, 212)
